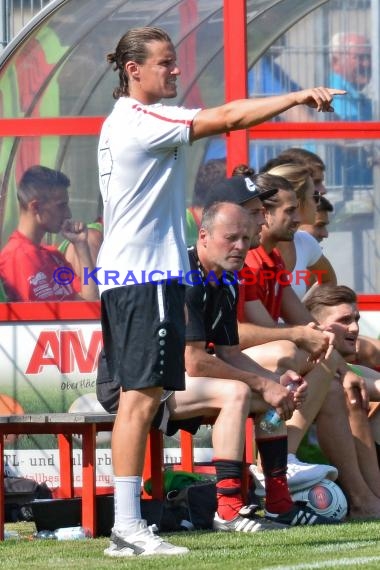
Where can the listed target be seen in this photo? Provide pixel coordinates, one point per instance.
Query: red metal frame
(90, 311)
(235, 68)
(90, 126)
(322, 130)
(43, 126)
(369, 302)
(65, 429)
(63, 311)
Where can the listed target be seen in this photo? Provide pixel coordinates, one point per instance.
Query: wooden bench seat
(67, 425)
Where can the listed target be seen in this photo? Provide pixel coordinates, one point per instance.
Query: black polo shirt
(212, 315)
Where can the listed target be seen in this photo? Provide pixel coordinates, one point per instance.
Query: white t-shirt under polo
(308, 251)
(142, 182)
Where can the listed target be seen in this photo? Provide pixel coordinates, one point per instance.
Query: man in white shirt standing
(141, 171)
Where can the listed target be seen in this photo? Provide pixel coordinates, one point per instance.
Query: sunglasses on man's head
(317, 197)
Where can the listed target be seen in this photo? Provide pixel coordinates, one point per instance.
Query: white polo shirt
(142, 181)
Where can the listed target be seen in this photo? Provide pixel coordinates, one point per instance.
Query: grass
(350, 545)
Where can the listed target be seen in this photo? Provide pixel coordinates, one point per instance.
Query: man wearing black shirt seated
(223, 382)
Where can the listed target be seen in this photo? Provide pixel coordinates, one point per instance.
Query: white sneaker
(142, 542)
(299, 475)
(247, 521)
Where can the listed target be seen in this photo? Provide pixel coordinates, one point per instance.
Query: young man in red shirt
(32, 271)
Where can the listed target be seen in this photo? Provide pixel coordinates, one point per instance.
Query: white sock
(127, 501)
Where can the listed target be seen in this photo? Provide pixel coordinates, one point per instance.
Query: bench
(67, 425)
(64, 425)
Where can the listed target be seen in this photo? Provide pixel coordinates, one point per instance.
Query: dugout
(56, 88)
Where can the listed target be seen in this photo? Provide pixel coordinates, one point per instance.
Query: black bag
(191, 508)
(18, 493)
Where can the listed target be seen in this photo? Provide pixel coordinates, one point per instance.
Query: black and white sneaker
(300, 515)
(142, 542)
(246, 521)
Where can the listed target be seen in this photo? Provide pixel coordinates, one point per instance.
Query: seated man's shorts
(144, 335)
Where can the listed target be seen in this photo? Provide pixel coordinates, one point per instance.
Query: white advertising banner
(50, 367)
(42, 465)
(370, 323)
(47, 367)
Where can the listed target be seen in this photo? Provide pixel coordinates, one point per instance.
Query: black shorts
(144, 335)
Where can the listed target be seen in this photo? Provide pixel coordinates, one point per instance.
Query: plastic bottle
(271, 420)
(64, 533)
(11, 534)
(71, 533)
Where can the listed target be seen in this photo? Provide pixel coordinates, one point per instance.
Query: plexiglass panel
(352, 245)
(59, 68)
(75, 156)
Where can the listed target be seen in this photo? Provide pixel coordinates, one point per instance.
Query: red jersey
(263, 278)
(28, 270)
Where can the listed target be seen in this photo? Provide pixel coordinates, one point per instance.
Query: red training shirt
(263, 278)
(28, 269)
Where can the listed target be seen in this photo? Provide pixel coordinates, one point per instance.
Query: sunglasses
(317, 197)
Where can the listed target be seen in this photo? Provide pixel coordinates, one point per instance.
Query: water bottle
(271, 420)
(71, 533)
(11, 534)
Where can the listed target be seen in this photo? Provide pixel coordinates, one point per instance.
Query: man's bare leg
(372, 380)
(336, 441)
(318, 381)
(365, 445)
(129, 436)
(133, 421)
(227, 400)
(280, 356)
(231, 401)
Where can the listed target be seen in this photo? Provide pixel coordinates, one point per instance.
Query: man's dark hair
(133, 46)
(301, 154)
(38, 182)
(328, 296)
(209, 174)
(243, 170)
(324, 205)
(266, 181)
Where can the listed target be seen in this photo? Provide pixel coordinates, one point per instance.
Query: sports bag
(191, 508)
(18, 493)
